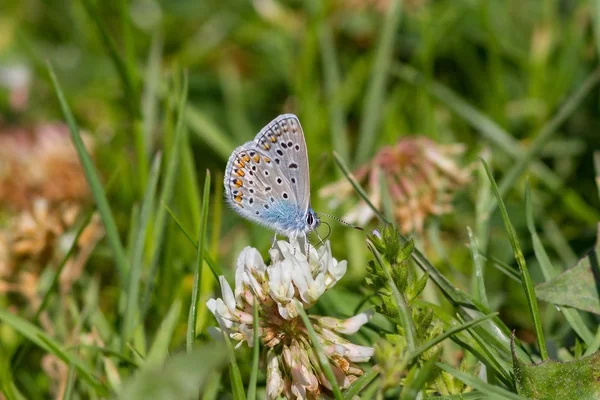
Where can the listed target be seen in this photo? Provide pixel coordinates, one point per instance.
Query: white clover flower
(293, 369)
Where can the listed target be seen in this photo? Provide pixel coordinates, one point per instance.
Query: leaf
(552, 379)
(182, 377)
(550, 271)
(578, 286)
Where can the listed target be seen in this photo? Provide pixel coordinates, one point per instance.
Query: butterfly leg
(274, 241)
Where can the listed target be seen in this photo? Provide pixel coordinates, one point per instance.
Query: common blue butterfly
(267, 181)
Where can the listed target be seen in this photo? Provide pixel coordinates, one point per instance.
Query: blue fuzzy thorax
(286, 217)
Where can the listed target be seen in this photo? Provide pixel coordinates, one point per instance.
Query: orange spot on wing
(238, 183)
(240, 172)
(257, 159)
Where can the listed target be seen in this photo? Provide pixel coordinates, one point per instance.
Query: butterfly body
(267, 181)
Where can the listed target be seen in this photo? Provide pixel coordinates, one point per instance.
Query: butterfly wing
(266, 180)
(283, 140)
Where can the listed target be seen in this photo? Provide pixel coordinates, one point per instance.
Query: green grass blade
(166, 196)
(525, 277)
(559, 242)
(323, 360)
(496, 332)
(482, 220)
(375, 97)
(543, 137)
(160, 346)
(488, 356)
(46, 343)
(127, 79)
(358, 385)
(489, 129)
(476, 383)
(93, 180)
(466, 396)
(214, 267)
(331, 79)
(193, 313)
(597, 162)
(403, 308)
(68, 394)
(150, 95)
(61, 266)
(134, 223)
(414, 387)
(233, 96)
(503, 267)
(212, 387)
(594, 346)
(474, 248)
(127, 38)
(133, 292)
(104, 350)
(549, 271)
(596, 20)
(210, 133)
(237, 386)
(413, 355)
(359, 190)
(255, 353)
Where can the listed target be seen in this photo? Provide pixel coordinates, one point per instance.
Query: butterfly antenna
(328, 231)
(358, 228)
(322, 240)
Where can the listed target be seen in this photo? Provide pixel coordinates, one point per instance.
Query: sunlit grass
(167, 100)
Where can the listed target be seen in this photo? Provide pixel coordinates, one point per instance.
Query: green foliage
(517, 87)
(577, 286)
(387, 240)
(552, 379)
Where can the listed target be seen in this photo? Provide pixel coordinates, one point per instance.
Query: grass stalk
(193, 313)
(375, 97)
(526, 281)
(323, 360)
(93, 180)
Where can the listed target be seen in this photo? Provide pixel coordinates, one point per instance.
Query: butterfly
(267, 180)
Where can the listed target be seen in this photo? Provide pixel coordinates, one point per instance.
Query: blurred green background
(360, 74)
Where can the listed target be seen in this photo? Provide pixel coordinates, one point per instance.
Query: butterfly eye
(310, 219)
